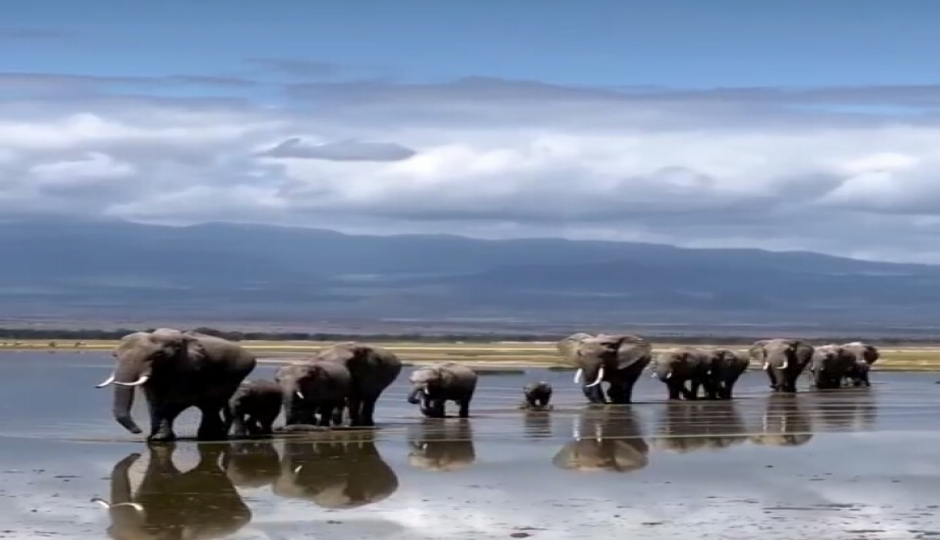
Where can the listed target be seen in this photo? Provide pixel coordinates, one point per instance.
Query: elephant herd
(620, 360)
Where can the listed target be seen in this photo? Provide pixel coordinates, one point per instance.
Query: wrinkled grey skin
(176, 371)
(863, 357)
(537, 395)
(681, 366)
(441, 445)
(201, 503)
(618, 360)
(727, 366)
(784, 423)
(704, 425)
(433, 386)
(252, 464)
(783, 360)
(604, 440)
(314, 392)
(343, 472)
(253, 408)
(829, 366)
(373, 369)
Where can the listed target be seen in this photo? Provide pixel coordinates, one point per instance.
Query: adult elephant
(200, 503)
(441, 446)
(725, 368)
(342, 472)
(783, 360)
(312, 388)
(684, 365)
(432, 386)
(177, 370)
(618, 360)
(863, 357)
(830, 364)
(372, 368)
(608, 440)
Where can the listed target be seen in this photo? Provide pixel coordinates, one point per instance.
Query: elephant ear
(631, 349)
(569, 346)
(175, 342)
(756, 351)
(802, 350)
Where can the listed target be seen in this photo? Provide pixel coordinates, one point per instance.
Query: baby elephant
(253, 408)
(314, 387)
(537, 396)
(431, 386)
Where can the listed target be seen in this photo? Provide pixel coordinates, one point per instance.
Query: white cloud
(752, 167)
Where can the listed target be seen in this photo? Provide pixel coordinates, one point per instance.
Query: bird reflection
(251, 464)
(344, 471)
(439, 444)
(690, 426)
(784, 423)
(608, 439)
(201, 503)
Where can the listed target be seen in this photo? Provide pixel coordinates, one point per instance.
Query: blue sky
(692, 43)
(781, 125)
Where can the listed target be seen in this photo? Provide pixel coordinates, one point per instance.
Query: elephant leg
(368, 409)
(675, 391)
(593, 394)
(438, 409)
(695, 385)
(465, 406)
(162, 417)
(211, 427)
(326, 415)
(355, 411)
(237, 425)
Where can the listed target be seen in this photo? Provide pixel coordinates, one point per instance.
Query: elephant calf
(537, 395)
(311, 388)
(440, 383)
(253, 408)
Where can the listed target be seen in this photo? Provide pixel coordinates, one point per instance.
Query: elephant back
(568, 347)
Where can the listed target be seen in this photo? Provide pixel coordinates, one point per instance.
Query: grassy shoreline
(492, 356)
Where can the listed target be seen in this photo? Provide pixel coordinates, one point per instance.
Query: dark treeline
(234, 335)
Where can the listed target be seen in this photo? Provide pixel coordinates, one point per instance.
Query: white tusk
(600, 377)
(577, 375)
(765, 366)
(101, 502)
(297, 469)
(135, 506)
(668, 375)
(106, 382)
(654, 375)
(300, 394)
(143, 379)
(785, 364)
(426, 391)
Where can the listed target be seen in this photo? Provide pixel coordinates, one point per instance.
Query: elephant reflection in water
(343, 470)
(537, 424)
(201, 503)
(252, 464)
(439, 444)
(709, 425)
(605, 440)
(846, 410)
(784, 423)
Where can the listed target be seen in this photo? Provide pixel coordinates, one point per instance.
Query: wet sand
(849, 464)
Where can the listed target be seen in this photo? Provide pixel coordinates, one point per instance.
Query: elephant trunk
(596, 380)
(416, 390)
(124, 399)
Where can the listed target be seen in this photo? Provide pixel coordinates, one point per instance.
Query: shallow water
(858, 463)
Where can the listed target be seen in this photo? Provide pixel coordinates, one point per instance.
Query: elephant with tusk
(432, 386)
(783, 360)
(198, 504)
(373, 370)
(618, 360)
(177, 370)
(863, 358)
(684, 365)
(314, 388)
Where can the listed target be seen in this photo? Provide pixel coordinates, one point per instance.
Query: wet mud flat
(849, 464)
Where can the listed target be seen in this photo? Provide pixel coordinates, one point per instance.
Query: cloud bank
(849, 171)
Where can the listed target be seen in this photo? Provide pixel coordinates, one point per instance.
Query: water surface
(858, 463)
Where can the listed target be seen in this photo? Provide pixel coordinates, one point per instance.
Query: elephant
(783, 423)
(618, 360)
(343, 472)
(830, 364)
(251, 464)
(783, 360)
(681, 366)
(311, 388)
(432, 386)
(686, 427)
(727, 366)
(864, 356)
(845, 411)
(441, 446)
(177, 370)
(169, 504)
(373, 369)
(537, 395)
(605, 440)
(253, 408)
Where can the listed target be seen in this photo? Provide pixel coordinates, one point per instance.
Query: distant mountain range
(241, 274)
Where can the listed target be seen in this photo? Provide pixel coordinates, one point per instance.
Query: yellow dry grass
(495, 354)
